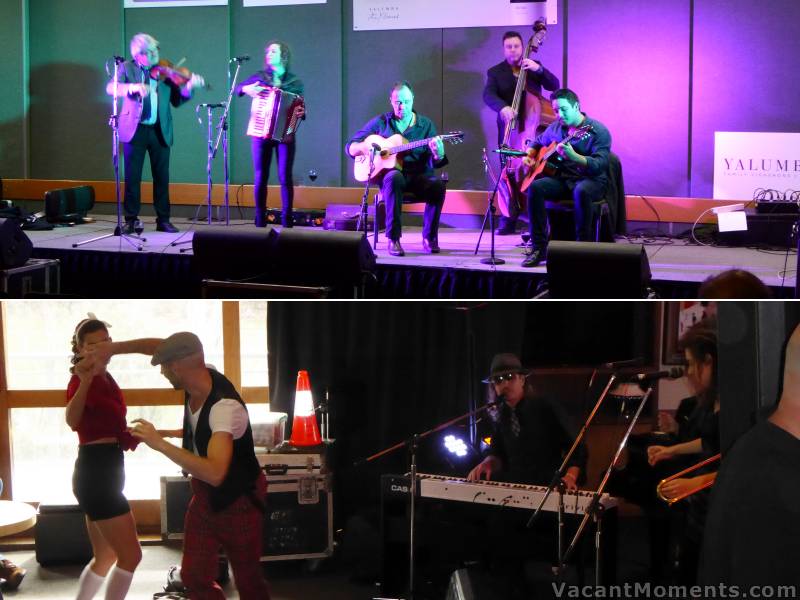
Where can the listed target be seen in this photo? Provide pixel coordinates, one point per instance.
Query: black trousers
(431, 190)
(583, 192)
(147, 139)
(262, 159)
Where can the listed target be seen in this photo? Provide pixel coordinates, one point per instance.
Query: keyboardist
(531, 433)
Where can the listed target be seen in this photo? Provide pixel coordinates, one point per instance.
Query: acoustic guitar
(388, 157)
(538, 160)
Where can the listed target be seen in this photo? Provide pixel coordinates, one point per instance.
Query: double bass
(531, 112)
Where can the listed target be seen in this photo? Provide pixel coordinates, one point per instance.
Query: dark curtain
(391, 369)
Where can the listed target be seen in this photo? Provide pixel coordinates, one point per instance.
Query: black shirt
(545, 436)
(752, 534)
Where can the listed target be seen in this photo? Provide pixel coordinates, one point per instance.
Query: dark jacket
(131, 111)
(501, 84)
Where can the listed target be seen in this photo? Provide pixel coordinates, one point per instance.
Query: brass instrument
(708, 484)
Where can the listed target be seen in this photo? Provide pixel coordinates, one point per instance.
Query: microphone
(242, 58)
(376, 147)
(119, 59)
(673, 373)
(619, 364)
(510, 152)
(212, 104)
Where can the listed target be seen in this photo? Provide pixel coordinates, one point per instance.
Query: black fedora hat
(503, 364)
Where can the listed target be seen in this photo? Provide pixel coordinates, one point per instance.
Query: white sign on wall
(747, 161)
(172, 3)
(281, 2)
(436, 14)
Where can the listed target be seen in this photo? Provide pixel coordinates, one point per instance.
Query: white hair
(142, 41)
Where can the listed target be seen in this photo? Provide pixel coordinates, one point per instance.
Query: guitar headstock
(454, 137)
(582, 132)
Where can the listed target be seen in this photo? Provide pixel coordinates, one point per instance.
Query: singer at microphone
(531, 433)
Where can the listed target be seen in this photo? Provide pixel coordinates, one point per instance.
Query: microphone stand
(363, 212)
(562, 469)
(594, 509)
(222, 135)
(490, 212)
(113, 122)
(412, 444)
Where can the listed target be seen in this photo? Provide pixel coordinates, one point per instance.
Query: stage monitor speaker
(15, 246)
(68, 204)
(597, 270)
(228, 253)
(311, 257)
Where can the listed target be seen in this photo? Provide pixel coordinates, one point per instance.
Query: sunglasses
(498, 379)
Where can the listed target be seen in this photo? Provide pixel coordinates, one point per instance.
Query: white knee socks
(88, 584)
(119, 580)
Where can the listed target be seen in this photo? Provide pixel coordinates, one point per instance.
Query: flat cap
(178, 345)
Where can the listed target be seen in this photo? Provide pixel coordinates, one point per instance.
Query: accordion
(272, 115)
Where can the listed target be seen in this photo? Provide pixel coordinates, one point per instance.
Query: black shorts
(98, 480)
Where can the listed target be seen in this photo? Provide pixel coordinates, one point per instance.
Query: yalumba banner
(748, 161)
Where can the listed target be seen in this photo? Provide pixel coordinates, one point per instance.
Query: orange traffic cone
(305, 431)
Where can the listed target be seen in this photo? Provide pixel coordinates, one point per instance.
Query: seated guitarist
(582, 172)
(417, 175)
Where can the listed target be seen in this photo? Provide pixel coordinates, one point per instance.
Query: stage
(112, 268)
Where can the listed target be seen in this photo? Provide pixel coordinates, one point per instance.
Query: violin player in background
(145, 126)
(498, 94)
(275, 74)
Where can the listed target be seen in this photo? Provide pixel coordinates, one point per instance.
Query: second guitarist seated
(581, 171)
(417, 175)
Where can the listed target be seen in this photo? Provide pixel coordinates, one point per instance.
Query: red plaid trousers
(238, 530)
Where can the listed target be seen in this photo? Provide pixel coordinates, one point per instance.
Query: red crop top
(104, 412)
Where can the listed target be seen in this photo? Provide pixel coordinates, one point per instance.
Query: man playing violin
(498, 94)
(417, 175)
(581, 171)
(145, 125)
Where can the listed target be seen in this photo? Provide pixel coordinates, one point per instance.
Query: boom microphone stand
(412, 444)
(594, 509)
(490, 213)
(113, 122)
(363, 213)
(222, 136)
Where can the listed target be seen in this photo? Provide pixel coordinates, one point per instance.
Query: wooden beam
(5, 430)
(458, 202)
(231, 344)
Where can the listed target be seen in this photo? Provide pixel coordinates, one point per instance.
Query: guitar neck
(552, 151)
(411, 145)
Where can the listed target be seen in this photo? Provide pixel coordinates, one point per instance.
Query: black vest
(244, 468)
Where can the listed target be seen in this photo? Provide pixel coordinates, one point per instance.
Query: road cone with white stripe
(305, 431)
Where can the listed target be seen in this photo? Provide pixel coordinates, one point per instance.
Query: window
(38, 337)
(253, 339)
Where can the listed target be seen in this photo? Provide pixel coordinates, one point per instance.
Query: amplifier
(770, 229)
(344, 217)
(777, 207)
(61, 536)
(298, 523)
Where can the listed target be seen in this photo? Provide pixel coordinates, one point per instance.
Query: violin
(180, 76)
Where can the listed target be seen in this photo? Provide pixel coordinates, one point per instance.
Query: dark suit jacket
(501, 84)
(131, 111)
